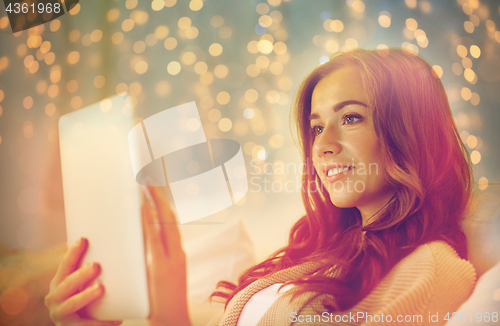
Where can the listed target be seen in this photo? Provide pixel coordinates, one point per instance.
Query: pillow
(484, 302)
(222, 254)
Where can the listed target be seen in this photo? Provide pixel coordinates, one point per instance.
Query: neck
(369, 211)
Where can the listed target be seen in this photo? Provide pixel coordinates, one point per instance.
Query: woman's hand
(166, 263)
(70, 290)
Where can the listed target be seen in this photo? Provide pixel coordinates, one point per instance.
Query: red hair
(425, 160)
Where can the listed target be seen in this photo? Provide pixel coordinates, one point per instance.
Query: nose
(326, 144)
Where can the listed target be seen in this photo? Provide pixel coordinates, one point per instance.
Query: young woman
(381, 240)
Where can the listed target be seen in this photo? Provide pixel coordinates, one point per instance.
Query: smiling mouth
(337, 171)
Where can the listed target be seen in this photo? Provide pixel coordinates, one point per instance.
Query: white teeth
(337, 171)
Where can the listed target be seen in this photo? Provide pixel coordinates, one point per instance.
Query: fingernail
(97, 286)
(93, 266)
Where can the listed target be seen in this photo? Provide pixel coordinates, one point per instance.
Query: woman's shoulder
(438, 258)
(432, 277)
(435, 264)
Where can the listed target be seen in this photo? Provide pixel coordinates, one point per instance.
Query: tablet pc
(103, 203)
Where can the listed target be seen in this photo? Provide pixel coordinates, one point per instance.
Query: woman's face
(346, 153)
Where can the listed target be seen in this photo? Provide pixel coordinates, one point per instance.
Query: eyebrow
(338, 107)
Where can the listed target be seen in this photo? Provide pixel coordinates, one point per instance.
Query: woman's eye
(349, 119)
(316, 130)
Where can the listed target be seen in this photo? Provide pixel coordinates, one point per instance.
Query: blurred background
(241, 62)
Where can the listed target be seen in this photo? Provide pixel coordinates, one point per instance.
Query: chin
(344, 200)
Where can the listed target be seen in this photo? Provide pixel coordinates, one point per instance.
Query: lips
(334, 171)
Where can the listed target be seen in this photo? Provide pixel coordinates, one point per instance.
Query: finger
(74, 282)
(154, 242)
(169, 229)
(78, 301)
(70, 261)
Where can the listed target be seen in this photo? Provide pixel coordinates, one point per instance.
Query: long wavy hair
(425, 159)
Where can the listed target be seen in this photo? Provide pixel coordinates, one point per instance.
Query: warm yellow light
(262, 62)
(225, 124)
(162, 88)
(475, 51)
(131, 4)
(265, 46)
(411, 3)
(41, 87)
(55, 74)
(170, 3)
(251, 95)
(206, 102)
(200, 67)
(217, 21)
(127, 25)
(472, 141)
(215, 49)
(276, 68)
(469, 75)
(262, 8)
(462, 51)
(50, 109)
(28, 102)
(437, 71)
(469, 27)
(113, 14)
(207, 78)
(276, 141)
(337, 26)
(188, 58)
(184, 22)
(157, 5)
(75, 9)
(74, 35)
(384, 19)
(265, 21)
(192, 32)
(76, 102)
(358, 6)
(141, 67)
(161, 32)
(223, 98)
(121, 88)
(475, 157)
(52, 91)
(214, 115)
(252, 47)
(482, 185)
(220, 71)
(4, 22)
(96, 35)
(272, 96)
(411, 24)
(466, 93)
(195, 5)
(253, 70)
(72, 86)
(174, 68)
(475, 99)
(73, 57)
(467, 63)
(55, 25)
(170, 43)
